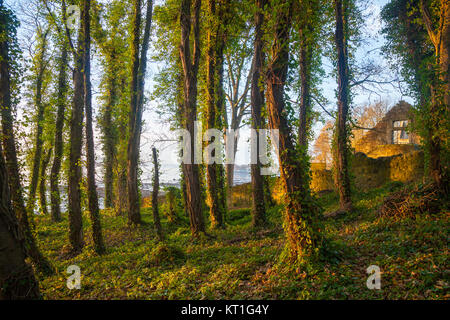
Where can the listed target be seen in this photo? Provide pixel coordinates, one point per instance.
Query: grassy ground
(242, 264)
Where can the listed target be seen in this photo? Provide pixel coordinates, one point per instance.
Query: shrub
(164, 254)
(406, 203)
(172, 207)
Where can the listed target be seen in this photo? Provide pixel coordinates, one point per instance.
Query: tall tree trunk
(440, 95)
(257, 103)
(229, 167)
(94, 210)
(435, 144)
(59, 142)
(121, 185)
(121, 202)
(424, 80)
(305, 80)
(445, 51)
(180, 122)
(220, 92)
(190, 71)
(229, 174)
(136, 109)
(268, 199)
(301, 225)
(341, 135)
(134, 216)
(221, 179)
(40, 109)
(184, 192)
(216, 205)
(18, 204)
(155, 192)
(17, 279)
(43, 182)
(444, 64)
(109, 141)
(412, 34)
(76, 142)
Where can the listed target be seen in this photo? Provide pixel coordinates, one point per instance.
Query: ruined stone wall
(318, 166)
(382, 132)
(389, 150)
(374, 172)
(407, 167)
(368, 173)
(321, 180)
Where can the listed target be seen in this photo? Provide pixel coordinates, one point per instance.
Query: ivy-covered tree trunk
(180, 121)
(229, 174)
(8, 140)
(257, 103)
(440, 95)
(305, 84)
(301, 218)
(268, 198)
(155, 207)
(444, 64)
(413, 34)
(43, 182)
(134, 216)
(190, 71)
(121, 202)
(445, 51)
(136, 108)
(342, 152)
(221, 182)
(121, 187)
(58, 139)
(17, 279)
(215, 194)
(110, 144)
(76, 142)
(94, 210)
(40, 109)
(113, 121)
(215, 210)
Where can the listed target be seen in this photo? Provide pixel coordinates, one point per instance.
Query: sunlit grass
(242, 263)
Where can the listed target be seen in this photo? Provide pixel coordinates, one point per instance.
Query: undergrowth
(242, 263)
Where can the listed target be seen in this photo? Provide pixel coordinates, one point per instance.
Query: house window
(400, 124)
(399, 133)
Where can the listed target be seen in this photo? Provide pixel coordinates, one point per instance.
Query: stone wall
(389, 150)
(368, 173)
(407, 167)
(321, 180)
(381, 134)
(374, 172)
